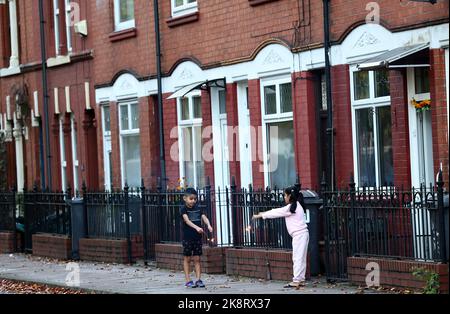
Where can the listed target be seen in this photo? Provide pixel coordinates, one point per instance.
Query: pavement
(145, 279)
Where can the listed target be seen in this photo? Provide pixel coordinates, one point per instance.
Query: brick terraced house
(241, 79)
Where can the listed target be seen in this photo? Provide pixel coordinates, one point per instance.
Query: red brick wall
(52, 246)
(343, 145)
(170, 256)
(400, 128)
(233, 138)
(207, 122)
(254, 263)
(7, 242)
(171, 140)
(111, 251)
(395, 273)
(305, 126)
(439, 112)
(254, 103)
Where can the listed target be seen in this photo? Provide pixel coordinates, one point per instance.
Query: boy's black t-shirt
(195, 215)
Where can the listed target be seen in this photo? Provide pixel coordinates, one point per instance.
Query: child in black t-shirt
(192, 236)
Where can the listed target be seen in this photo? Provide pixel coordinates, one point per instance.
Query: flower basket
(423, 105)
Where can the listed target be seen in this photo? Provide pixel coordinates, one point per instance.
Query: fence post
(441, 211)
(144, 222)
(325, 196)
(234, 210)
(67, 214)
(162, 226)
(127, 221)
(352, 212)
(208, 205)
(85, 209)
(14, 212)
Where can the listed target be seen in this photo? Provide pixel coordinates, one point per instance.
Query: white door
(245, 139)
(421, 146)
(221, 164)
(107, 150)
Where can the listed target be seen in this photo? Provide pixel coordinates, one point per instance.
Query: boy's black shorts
(192, 248)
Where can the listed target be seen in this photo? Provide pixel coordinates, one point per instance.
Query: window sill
(9, 71)
(184, 19)
(255, 3)
(122, 35)
(59, 60)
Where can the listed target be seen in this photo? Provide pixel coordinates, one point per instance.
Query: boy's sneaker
(190, 284)
(200, 284)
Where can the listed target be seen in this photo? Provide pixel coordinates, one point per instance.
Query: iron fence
(46, 212)
(384, 222)
(7, 210)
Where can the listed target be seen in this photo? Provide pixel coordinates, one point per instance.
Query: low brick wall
(52, 246)
(7, 242)
(260, 263)
(170, 256)
(110, 251)
(395, 273)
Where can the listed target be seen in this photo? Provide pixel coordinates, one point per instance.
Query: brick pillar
(233, 134)
(439, 112)
(254, 102)
(207, 122)
(305, 126)
(149, 140)
(342, 117)
(400, 128)
(90, 164)
(56, 154)
(171, 140)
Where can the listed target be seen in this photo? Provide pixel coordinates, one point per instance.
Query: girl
(296, 225)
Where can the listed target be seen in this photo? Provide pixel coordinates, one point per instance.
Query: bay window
(372, 131)
(278, 128)
(130, 148)
(192, 166)
(123, 14)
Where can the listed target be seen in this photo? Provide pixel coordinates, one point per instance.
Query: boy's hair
(190, 191)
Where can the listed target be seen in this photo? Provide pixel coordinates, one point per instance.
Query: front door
(245, 149)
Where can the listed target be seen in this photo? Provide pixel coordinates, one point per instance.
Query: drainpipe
(330, 128)
(44, 88)
(162, 159)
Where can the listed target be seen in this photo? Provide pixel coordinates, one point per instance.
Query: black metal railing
(384, 222)
(46, 212)
(8, 210)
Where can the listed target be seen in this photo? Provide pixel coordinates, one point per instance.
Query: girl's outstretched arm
(275, 213)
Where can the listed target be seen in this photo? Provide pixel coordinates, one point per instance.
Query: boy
(192, 236)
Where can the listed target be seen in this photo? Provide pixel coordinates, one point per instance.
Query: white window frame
(56, 12)
(189, 123)
(120, 26)
(273, 118)
(373, 103)
(186, 8)
(75, 162)
(62, 153)
(68, 11)
(126, 133)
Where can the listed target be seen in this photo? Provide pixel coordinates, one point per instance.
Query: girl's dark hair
(294, 196)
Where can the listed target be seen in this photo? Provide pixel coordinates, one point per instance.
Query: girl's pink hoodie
(295, 223)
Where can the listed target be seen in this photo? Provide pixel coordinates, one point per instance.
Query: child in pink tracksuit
(297, 228)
